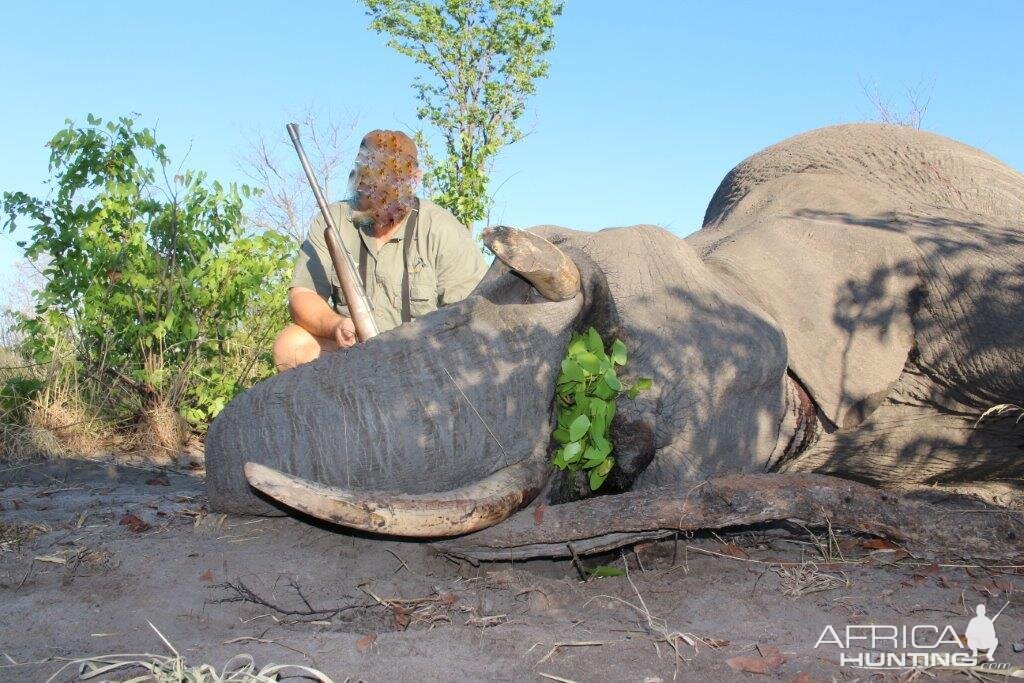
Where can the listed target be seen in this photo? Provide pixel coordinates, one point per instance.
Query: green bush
(150, 275)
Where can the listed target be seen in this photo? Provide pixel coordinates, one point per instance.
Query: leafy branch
(585, 397)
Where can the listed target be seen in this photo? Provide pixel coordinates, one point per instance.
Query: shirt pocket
(422, 292)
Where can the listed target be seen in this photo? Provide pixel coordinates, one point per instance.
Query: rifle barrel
(359, 307)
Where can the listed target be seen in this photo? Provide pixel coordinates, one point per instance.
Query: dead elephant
(850, 306)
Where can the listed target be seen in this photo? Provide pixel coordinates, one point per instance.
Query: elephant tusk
(540, 262)
(430, 515)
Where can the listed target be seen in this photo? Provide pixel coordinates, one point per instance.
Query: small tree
(148, 273)
(483, 58)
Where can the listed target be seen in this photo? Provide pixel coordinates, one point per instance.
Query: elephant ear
(838, 282)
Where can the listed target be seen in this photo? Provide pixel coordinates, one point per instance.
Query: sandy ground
(91, 554)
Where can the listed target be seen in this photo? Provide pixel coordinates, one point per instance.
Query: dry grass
(656, 627)
(161, 434)
(174, 669)
(13, 535)
(807, 578)
(828, 547)
(55, 425)
(18, 443)
(81, 414)
(73, 425)
(55, 422)
(1002, 410)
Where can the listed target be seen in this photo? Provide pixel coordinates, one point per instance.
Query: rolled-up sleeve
(460, 264)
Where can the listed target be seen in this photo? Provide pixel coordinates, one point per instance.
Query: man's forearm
(312, 313)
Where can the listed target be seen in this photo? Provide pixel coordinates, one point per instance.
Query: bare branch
(239, 592)
(285, 203)
(918, 97)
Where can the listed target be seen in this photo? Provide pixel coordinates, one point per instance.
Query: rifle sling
(410, 231)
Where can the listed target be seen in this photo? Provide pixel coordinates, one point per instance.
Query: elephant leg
(909, 441)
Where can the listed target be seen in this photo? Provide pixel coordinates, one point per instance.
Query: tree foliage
(483, 59)
(149, 273)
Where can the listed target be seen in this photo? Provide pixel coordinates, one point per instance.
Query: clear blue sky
(647, 106)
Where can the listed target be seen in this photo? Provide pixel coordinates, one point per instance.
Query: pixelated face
(383, 182)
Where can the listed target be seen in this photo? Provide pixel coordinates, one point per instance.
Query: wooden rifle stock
(359, 307)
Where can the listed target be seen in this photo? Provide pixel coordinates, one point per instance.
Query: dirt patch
(76, 580)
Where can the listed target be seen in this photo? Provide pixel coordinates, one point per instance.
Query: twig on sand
(31, 565)
(484, 620)
(657, 626)
(429, 610)
(576, 562)
(559, 646)
(242, 593)
(265, 641)
(20, 467)
(807, 578)
(552, 677)
(404, 565)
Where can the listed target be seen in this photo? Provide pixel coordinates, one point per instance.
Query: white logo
(981, 633)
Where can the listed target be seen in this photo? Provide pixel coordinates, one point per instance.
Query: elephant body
(891, 259)
(850, 306)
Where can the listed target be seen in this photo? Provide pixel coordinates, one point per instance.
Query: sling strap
(410, 231)
(363, 255)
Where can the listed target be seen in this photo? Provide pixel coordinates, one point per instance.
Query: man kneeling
(413, 255)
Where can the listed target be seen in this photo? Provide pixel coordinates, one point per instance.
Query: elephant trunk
(390, 436)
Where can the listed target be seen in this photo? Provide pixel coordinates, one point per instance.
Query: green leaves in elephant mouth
(585, 392)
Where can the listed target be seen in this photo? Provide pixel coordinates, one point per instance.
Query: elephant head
(442, 426)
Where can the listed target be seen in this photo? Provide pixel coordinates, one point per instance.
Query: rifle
(359, 307)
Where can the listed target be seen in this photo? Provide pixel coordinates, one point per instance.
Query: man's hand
(345, 333)
(313, 314)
